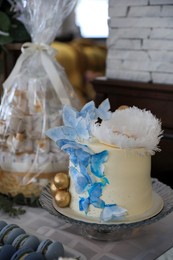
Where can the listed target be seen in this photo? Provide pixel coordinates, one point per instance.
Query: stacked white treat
(26, 113)
(110, 160)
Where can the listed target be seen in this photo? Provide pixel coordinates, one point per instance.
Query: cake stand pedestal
(112, 231)
(109, 235)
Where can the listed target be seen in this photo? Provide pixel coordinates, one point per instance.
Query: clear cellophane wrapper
(32, 101)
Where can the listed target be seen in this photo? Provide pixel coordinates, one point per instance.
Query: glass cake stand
(114, 230)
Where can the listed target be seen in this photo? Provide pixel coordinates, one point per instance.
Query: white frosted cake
(128, 173)
(109, 160)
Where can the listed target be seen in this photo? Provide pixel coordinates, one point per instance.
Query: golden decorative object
(61, 181)
(53, 188)
(38, 106)
(20, 137)
(62, 198)
(122, 107)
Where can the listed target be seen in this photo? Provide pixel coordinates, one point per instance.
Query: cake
(109, 159)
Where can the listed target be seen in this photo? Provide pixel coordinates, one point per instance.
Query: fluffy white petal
(130, 128)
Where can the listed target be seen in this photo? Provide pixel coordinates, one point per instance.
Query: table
(149, 243)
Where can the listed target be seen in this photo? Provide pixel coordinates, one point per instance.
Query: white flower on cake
(130, 128)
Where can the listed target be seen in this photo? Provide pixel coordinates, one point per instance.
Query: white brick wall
(145, 11)
(161, 33)
(129, 75)
(157, 45)
(118, 11)
(140, 42)
(128, 2)
(131, 44)
(159, 2)
(142, 22)
(126, 33)
(165, 78)
(130, 55)
(160, 56)
(167, 10)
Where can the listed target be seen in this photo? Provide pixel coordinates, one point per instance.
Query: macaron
(2, 224)
(25, 240)
(21, 253)
(15, 232)
(18, 240)
(42, 247)
(5, 230)
(51, 250)
(6, 252)
(35, 256)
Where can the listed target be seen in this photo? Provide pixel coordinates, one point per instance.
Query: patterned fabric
(147, 243)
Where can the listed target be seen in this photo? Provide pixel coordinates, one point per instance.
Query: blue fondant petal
(76, 145)
(104, 181)
(80, 181)
(97, 161)
(84, 204)
(112, 212)
(70, 150)
(65, 144)
(83, 157)
(95, 191)
(103, 110)
(73, 171)
(81, 184)
(88, 109)
(98, 203)
(82, 129)
(70, 115)
(73, 158)
(61, 132)
(84, 172)
(62, 142)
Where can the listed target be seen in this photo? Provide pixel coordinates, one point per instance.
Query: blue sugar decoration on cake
(86, 164)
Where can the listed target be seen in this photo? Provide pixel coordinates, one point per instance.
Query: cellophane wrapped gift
(32, 101)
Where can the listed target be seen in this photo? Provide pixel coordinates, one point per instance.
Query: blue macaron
(35, 256)
(54, 251)
(43, 246)
(25, 240)
(5, 230)
(6, 252)
(21, 254)
(51, 250)
(18, 240)
(15, 232)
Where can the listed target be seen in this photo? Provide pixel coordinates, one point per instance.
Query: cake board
(114, 230)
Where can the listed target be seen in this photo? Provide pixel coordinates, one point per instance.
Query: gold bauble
(123, 107)
(61, 181)
(53, 188)
(62, 198)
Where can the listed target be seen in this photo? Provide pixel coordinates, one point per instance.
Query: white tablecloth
(149, 243)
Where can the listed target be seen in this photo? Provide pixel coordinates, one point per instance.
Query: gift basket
(32, 101)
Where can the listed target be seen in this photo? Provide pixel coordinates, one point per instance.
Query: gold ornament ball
(61, 181)
(53, 188)
(123, 107)
(62, 198)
